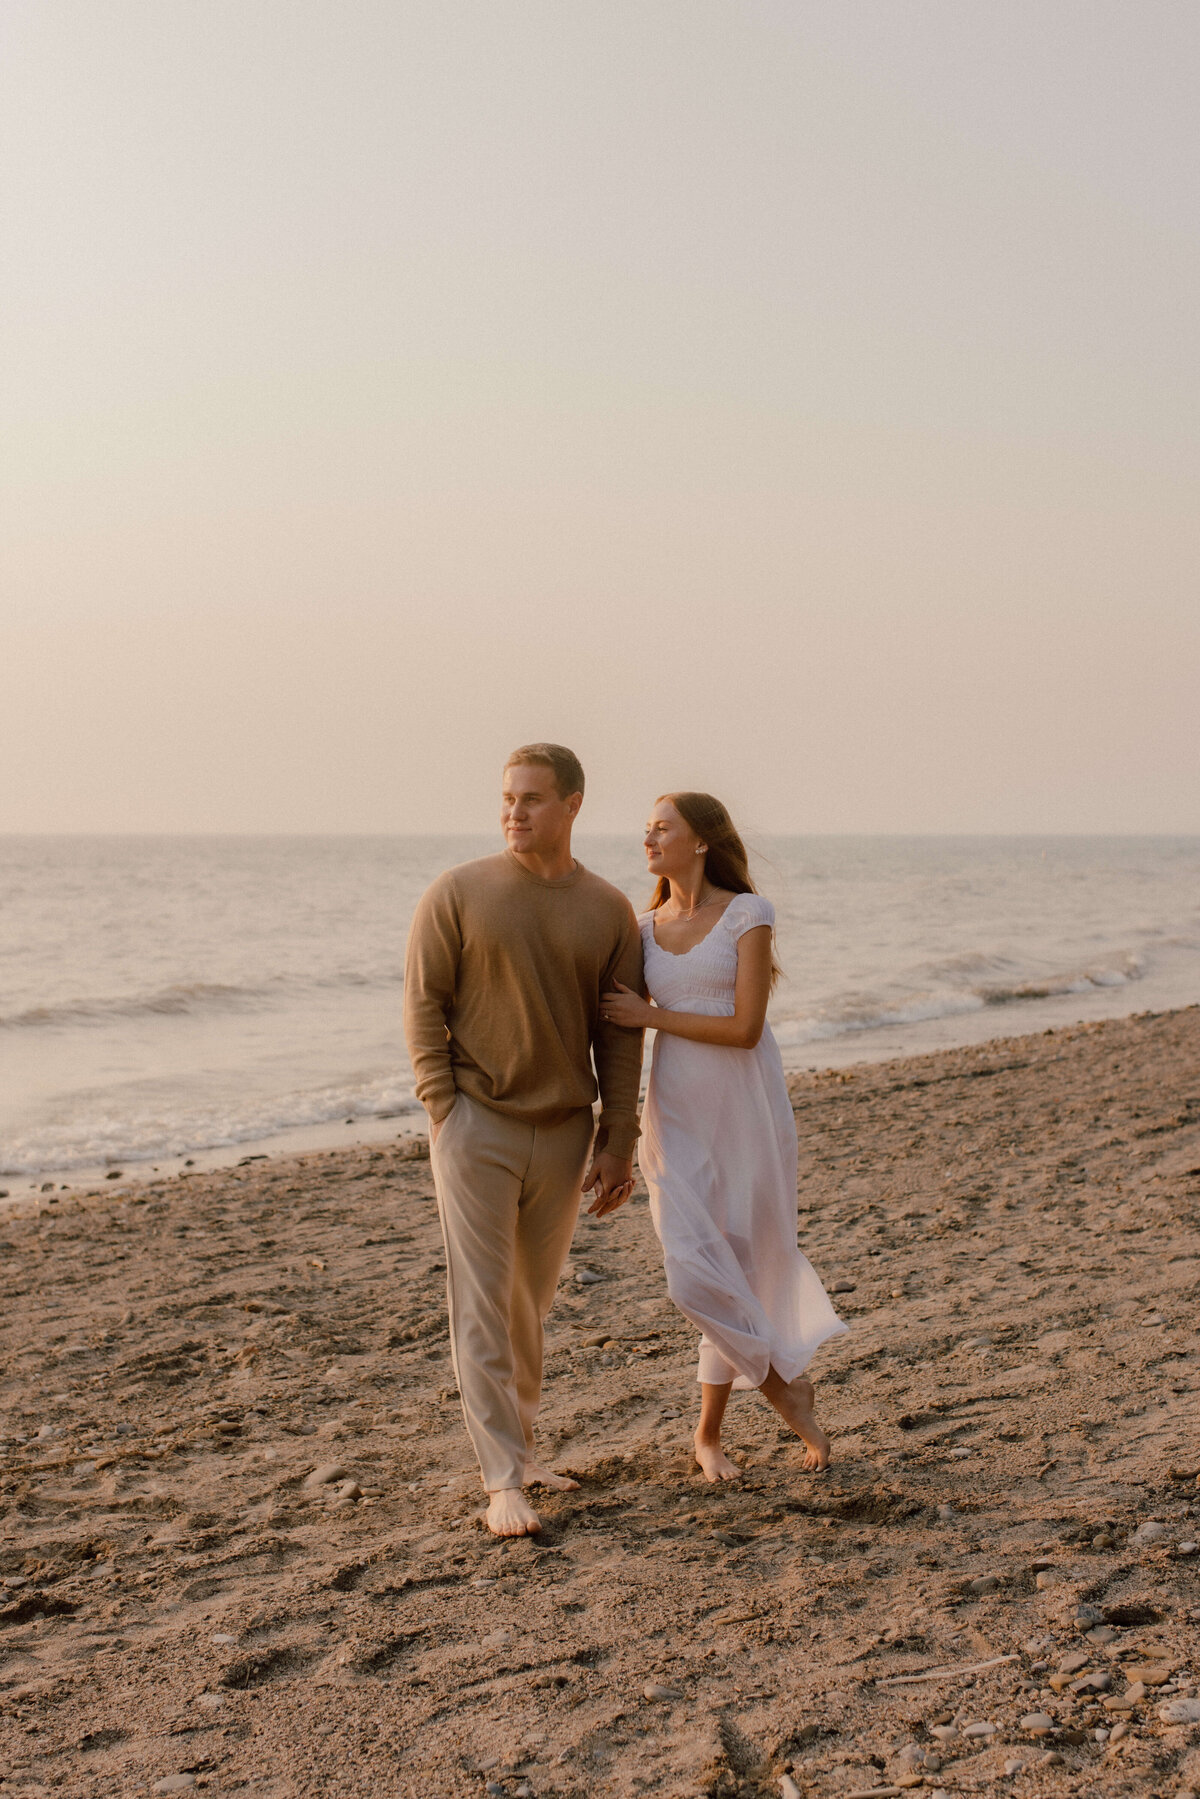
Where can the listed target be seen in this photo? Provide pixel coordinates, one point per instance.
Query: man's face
(535, 818)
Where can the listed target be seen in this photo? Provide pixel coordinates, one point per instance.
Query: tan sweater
(502, 986)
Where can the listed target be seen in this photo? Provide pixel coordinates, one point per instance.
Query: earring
(703, 850)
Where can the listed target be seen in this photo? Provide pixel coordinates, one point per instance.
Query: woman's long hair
(726, 863)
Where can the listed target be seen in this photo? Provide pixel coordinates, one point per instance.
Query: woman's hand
(627, 1008)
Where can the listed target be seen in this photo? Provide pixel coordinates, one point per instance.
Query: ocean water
(164, 996)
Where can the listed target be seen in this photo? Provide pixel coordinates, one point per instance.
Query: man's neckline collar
(566, 880)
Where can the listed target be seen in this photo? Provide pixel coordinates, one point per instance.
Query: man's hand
(610, 1178)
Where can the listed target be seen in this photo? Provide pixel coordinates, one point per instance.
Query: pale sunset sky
(797, 400)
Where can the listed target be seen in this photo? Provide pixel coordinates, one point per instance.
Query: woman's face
(672, 847)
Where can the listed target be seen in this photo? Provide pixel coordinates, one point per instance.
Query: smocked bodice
(703, 978)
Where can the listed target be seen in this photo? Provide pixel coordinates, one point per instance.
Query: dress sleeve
(746, 912)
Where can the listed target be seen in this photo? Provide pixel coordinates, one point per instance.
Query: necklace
(688, 916)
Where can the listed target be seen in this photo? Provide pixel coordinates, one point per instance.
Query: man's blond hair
(564, 764)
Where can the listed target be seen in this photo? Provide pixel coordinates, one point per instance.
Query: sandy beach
(240, 1539)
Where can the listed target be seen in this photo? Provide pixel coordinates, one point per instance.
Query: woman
(718, 1147)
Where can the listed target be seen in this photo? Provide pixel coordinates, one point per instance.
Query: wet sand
(187, 1606)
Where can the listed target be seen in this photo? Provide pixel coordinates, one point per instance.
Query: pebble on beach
(1149, 1674)
(1180, 1711)
(916, 1757)
(326, 1475)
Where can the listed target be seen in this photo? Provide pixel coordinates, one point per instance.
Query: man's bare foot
(714, 1463)
(510, 1514)
(537, 1476)
(794, 1403)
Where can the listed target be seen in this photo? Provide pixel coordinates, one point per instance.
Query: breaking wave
(149, 1132)
(949, 989)
(190, 998)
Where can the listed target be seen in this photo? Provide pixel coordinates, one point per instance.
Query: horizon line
(308, 835)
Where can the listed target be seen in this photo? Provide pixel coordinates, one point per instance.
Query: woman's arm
(751, 992)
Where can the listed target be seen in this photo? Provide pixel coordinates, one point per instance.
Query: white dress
(718, 1153)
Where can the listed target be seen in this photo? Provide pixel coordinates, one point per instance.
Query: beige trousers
(508, 1195)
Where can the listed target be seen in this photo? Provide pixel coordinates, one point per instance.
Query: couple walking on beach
(525, 988)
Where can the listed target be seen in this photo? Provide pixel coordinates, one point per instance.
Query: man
(507, 960)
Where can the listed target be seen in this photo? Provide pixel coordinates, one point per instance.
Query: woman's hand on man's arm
(751, 993)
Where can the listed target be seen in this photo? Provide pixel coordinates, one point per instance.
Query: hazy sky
(797, 400)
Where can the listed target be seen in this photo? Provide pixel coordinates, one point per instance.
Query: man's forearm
(430, 972)
(438, 1096)
(618, 1056)
(617, 1052)
(429, 1053)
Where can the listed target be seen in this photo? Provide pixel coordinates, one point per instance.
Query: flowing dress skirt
(718, 1153)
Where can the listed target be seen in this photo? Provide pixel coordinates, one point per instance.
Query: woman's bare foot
(714, 1463)
(794, 1402)
(510, 1514)
(537, 1476)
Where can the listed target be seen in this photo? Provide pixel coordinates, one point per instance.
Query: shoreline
(299, 1140)
(240, 1537)
(886, 1043)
